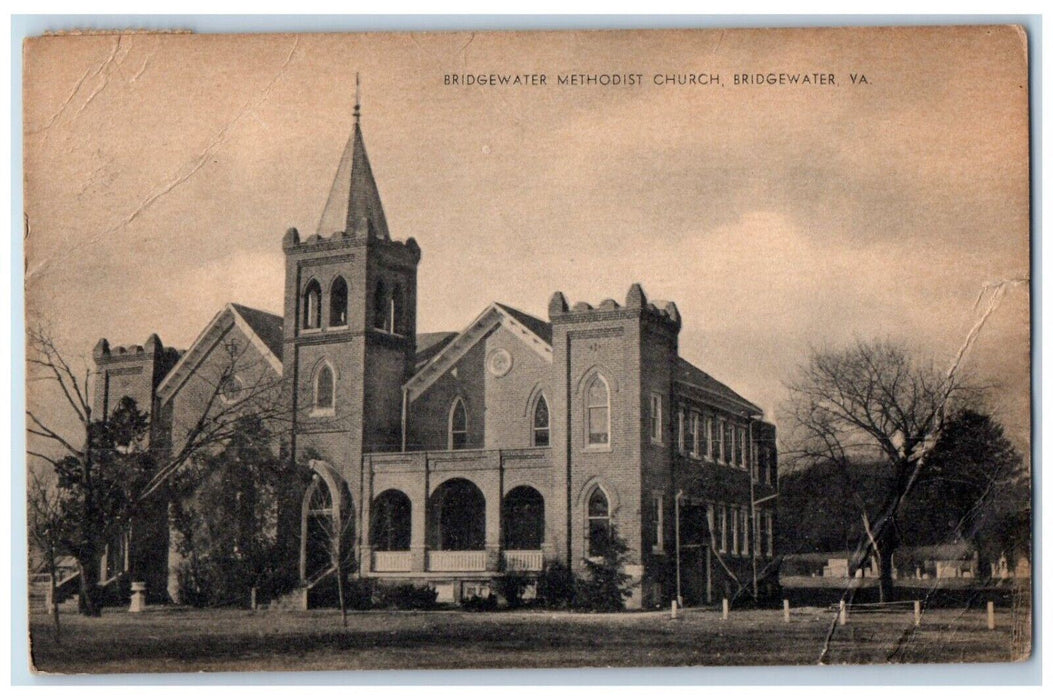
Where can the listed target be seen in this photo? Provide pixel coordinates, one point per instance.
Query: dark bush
(511, 587)
(405, 596)
(359, 592)
(479, 604)
(606, 587)
(556, 586)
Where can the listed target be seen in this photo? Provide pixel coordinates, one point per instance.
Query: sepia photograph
(527, 349)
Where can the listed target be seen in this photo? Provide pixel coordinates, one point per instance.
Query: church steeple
(353, 206)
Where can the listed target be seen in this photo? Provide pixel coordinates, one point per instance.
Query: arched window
(458, 425)
(324, 392)
(312, 305)
(598, 412)
(599, 522)
(380, 310)
(338, 302)
(541, 422)
(395, 320)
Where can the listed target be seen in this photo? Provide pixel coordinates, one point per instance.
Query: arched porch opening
(457, 517)
(391, 522)
(327, 527)
(523, 519)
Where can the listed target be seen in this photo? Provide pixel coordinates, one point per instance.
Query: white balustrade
(524, 560)
(456, 560)
(392, 561)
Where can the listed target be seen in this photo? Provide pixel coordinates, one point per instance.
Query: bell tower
(350, 321)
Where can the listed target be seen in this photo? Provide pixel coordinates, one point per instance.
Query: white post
(842, 614)
(785, 610)
(990, 615)
(672, 611)
(725, 606)
(138, 602)
(917, 613)
(252, 602)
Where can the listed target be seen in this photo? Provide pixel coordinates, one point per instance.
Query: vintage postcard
(528, 349)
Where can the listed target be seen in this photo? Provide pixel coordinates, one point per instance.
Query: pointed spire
(358, 99)
(354, 204)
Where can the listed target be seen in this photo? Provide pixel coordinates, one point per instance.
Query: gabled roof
(687, 373)
(267, 326)
(262, 329)
(542, 329)
(429, 344)
(354, 205)
(535, 334)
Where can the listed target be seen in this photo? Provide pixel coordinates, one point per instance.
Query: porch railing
(524, 560)
(392, 561)
(456, 560)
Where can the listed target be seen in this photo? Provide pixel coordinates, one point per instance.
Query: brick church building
(454, 458)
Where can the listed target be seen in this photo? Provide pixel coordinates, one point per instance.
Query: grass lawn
(181, 639)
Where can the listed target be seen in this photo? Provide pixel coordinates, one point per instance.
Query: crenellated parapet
(130, 370)
(636, 306)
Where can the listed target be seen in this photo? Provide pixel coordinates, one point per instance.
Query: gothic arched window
(380, 310)
(540, 431)
(458, 425)
(338, 302)
(312, 305)
(598, 412)
(395, 310)
(599, 522)
(324, 388)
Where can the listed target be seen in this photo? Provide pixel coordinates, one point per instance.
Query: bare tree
(44, 527)
(115, 464)
(872, 401)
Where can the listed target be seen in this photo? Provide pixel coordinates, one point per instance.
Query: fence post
(917, 613)
(672, 609)
(725, 606)
(785, 610)
(990, 615)
(842, 613)
(252, 602)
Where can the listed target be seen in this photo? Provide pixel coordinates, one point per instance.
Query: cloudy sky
(162, 171)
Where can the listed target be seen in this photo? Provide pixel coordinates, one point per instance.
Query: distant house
(951, 560)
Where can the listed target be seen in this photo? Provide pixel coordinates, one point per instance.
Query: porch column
(365, 549)
(491, 487)
(419, 516)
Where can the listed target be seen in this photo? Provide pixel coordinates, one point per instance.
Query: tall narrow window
(599, 522)
(690, 422)
(540, 432)
(323, 388)
(657, 522)
(380, 310)
(681, 442)
(656, 418)
(744, 525)
(598, 412)
(697, 448)
(395, 319)
(719, 447)
(338, 302)
(458, 425)
(734, 530)
(723, 528)
(312, 305)
(707, 449)
(740, 447)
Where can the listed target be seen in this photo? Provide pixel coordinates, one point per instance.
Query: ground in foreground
(180, 639)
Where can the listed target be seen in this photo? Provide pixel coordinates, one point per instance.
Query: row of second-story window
(388, 306)
(457, 433)
(729, 527)
(705, 436)
(731, 530)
